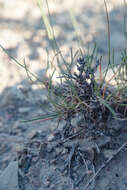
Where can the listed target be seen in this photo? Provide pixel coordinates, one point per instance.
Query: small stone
(58, 150)
(32, 134)
(24, 109)
(19, 147)
(64, 151)
(52, 186)
(50, 137)
(78, 117)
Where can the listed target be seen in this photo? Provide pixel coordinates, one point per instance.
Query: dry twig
(104, 165)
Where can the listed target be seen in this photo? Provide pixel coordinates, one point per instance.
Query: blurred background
(23, 34)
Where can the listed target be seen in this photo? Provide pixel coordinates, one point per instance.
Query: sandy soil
(23, 34)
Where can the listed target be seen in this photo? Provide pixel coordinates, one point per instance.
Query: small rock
(9, 177)
(78, 117)
(58, 150)
(64, 151)
(50, 137)
(32, 134)
(24, 109)
(52, 186)
(19, 147)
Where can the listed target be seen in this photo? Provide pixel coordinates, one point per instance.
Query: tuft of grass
(24, 66)
(80, 90)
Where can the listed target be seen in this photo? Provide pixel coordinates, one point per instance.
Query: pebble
(50, 137)
(77, 118)
(64, 151)
(24, 109)
(32, 134)
(58, 150)
(19, 147)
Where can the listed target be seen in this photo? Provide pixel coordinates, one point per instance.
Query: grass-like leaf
(44, 117)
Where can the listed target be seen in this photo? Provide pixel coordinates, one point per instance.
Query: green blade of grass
(43, 117)
(109, 41)
(49, 28)
(18, 63)
(106, 104)
(45, 20)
